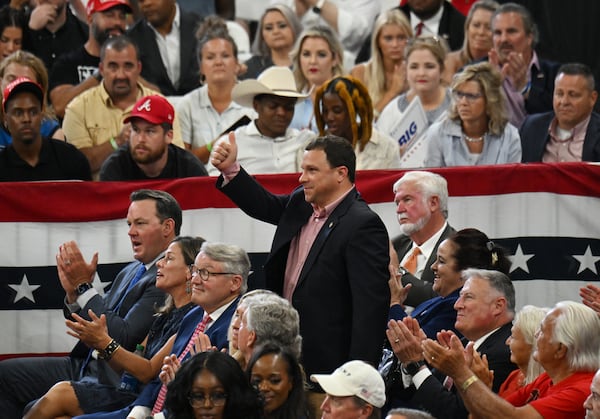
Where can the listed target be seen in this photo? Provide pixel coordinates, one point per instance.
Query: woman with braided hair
(343, 107)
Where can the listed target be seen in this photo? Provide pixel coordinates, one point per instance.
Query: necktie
(411, 263)
(419, 29)
(162, 394)
(141, 270)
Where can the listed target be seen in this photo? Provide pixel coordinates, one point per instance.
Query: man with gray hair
(485, 310)
(406, 413)
(567, 347)
(421, 200)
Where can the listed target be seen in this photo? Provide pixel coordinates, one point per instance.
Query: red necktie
(162, 394)
(411, 263)
(419, 29)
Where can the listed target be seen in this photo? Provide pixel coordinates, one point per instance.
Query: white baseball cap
(354, 378)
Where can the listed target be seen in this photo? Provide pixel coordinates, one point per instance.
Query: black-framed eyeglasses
(205, 274)
(471, 97)
(198, 400)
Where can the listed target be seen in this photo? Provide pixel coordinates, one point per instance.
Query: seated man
(354, 391)
(267, 144)
(567, 347)
(30, 156)
(592, 403)
(149, 153)
(572, 131)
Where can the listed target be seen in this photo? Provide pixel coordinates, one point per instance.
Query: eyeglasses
(198, 400)
(205, 274)
(471, 97)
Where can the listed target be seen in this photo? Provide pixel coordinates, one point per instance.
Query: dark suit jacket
(342, 295)
(153, 68)
(421, 288)
(534, 137)
(131, 323)
(540, 94)
(452, 25)
(441, 403)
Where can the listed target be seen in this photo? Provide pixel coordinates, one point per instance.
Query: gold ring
(397, 340)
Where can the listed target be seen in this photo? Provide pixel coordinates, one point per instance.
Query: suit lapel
(592, 136)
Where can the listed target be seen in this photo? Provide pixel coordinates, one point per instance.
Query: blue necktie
(141, 270)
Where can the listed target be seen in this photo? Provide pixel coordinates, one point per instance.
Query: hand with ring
(405, 338)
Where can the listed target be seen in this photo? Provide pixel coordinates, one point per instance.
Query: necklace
(474, 139)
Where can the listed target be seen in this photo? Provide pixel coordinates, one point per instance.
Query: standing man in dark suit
(528, 80)
(572, 131)
(436, 18)
(154, 219)
(422, 206)
(167, 46)
(485, 310)
(329, 256)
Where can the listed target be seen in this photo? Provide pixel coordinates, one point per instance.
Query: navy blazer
(342, 295)
(441, 403)
(539, 98)
(131, 323)
(535, 137)
(421, 290)
(153, 69)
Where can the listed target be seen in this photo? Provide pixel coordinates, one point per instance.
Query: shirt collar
(577, 130)
(329, 208)
(432, 24)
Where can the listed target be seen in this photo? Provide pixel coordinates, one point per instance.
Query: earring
(188, 286)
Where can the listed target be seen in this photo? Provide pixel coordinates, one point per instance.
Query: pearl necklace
(474, 139)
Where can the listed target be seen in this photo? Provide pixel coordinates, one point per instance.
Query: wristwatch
(83, 287)
(412, 367)
(318, 6)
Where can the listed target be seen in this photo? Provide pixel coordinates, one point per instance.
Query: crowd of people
(352, 323)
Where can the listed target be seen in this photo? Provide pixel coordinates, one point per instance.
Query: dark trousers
(25, 379)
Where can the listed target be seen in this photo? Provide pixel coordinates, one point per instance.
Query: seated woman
(276, 34)
(478, 39)
(343, 108)
(208, 111)
(25, 64)
(522, 345)
(467, 248)
(277, 375)
(317, 57)
(12, 29)
(384, 74)
(173, 277)
(424, 66)
(211, 385)
(476, 130)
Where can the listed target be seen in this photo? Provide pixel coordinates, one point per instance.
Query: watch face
(81, 288)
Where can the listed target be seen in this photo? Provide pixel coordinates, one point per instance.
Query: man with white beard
(422, 206)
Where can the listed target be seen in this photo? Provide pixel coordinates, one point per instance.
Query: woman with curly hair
(277, 375)
(211, 384)
(476, 130)
(343, 107)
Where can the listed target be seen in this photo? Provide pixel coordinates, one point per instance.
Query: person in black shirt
(149, 153)
(31, 157)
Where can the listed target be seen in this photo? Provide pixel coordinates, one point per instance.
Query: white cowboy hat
(276, 80)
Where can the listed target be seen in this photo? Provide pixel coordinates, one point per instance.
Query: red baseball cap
(94, 6)
(19, 85)
(154, 109)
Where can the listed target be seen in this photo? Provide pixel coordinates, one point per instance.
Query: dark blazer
(534, 137)
(452, 25)
(342, 295)
(131, 323)
(441, 403)
(217, 334)
(153, 68)
(421, 288)
(539, 98)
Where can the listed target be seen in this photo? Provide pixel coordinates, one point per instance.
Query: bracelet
(108, 352)
(468, 382)
(114, 144)
(209, 147)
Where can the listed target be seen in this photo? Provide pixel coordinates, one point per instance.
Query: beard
(150, 157)
(410, 228)
(102, 35)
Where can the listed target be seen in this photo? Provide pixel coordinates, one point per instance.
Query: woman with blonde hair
(522, 345)
(476, 130)
(478, 38)
(343, 108)
(24, 64)
(278, 29)
(317, 57)
(384, 74)
(424, 67)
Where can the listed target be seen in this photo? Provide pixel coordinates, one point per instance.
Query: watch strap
(412, 367)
